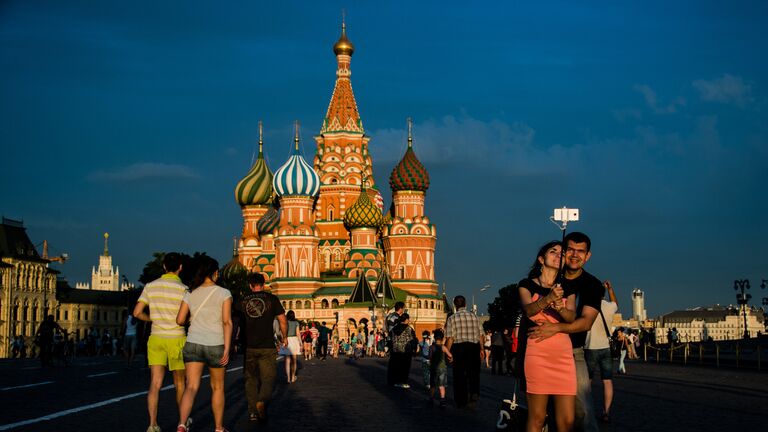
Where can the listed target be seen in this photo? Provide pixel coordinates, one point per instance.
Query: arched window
(432, 304)
(307, 305)
(324, 304)
(284, 304)
(290, 304)
(419, 304)
(330, 213)
(298, 304)
(334, 303)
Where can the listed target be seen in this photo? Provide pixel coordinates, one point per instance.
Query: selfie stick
(563, 216)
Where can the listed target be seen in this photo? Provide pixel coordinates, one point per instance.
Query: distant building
(716, 322)
(106, 277)
(27, 286)
(638, 305)
(82, 310)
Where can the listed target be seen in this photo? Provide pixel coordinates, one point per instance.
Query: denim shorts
(439, 377)
(599, 359)
(210, 355)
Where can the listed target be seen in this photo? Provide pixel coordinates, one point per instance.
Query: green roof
(332, 291)
(293, 296)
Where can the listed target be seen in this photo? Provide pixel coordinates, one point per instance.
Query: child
(439, 356)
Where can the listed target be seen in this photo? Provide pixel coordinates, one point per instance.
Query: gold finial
(410, 132)
(106, 246)
(234, 243)
(296, 136)
(343, 45)
(261, 136)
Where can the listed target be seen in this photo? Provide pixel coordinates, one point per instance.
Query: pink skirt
(549, 366)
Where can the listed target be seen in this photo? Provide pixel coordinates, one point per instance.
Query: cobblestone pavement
(345, 395)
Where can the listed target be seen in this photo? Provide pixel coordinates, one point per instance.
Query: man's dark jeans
(322, 348)
(466, 372)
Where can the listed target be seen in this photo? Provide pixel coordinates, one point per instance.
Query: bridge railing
(740, 353)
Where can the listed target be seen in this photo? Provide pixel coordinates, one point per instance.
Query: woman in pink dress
(550, 369)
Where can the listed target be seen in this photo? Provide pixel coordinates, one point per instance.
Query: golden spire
(106, 246)
(410, 132)
(234, 244)
(296, 136)
(261, 137)
(343, 45)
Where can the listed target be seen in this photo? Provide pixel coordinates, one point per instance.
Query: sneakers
(253, 417)
(261, 411)
(154, 428)
(181, 428)
(405, 386)
(188, 423)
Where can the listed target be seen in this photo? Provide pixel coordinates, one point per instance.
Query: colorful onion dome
(296, 177)
(343, 45)
(234, 269)
(363, 213)
(268, 222)
(256, 187)
(409, 174)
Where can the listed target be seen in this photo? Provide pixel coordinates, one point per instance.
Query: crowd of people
(561, 341)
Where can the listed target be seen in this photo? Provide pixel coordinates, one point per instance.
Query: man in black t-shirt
(589, 293)
(322, 341)
(260, 309)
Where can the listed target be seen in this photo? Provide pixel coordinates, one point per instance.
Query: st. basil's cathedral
(317, 232)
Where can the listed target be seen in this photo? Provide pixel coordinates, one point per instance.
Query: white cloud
(727, 89)
(494, 144)
(144, 171)
(652, 100)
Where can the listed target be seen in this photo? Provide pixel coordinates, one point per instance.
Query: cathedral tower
(342, 161)
(253, 193)
(296, 243)
(409, 238)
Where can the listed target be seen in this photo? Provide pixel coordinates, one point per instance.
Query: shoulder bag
(613, 344)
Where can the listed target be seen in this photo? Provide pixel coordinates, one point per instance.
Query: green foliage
(154, 269)
(505, 309)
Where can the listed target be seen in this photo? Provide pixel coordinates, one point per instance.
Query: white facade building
(717, 322)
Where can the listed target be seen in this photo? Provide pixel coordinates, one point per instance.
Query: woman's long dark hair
(535, 270)
(206, 268)
(291, 315)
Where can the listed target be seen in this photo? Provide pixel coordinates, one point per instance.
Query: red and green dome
(409, 174)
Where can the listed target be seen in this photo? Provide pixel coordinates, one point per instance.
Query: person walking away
(322, 341)
(424, 346)
(404, 346)
(597, 351)
(44, 334)
(439, 357)
(589, 292)
(209, 309)
(294, 347)
(315, 335)
(392, 320)
(497, 353)
(260, 309)
(163, 298)
(129, 338)
(550, 370)
(464, 339)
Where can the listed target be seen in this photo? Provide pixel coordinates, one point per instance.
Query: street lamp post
(742, 298)
(474, 306)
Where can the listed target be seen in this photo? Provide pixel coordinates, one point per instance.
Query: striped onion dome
(268, 222)
(409, 174)
(296, 177)
(256, 187)
(363, 213)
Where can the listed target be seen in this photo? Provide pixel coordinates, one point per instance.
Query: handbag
(613, 344)
(512, 417)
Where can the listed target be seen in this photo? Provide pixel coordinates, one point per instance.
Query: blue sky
(139, 118)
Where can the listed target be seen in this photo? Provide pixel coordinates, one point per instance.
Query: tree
(505, 309)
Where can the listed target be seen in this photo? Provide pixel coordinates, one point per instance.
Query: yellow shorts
(166, 352)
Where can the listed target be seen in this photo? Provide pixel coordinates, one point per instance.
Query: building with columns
(318, 234)
(27, 286)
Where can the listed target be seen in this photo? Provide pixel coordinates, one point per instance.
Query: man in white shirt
(597, 350)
